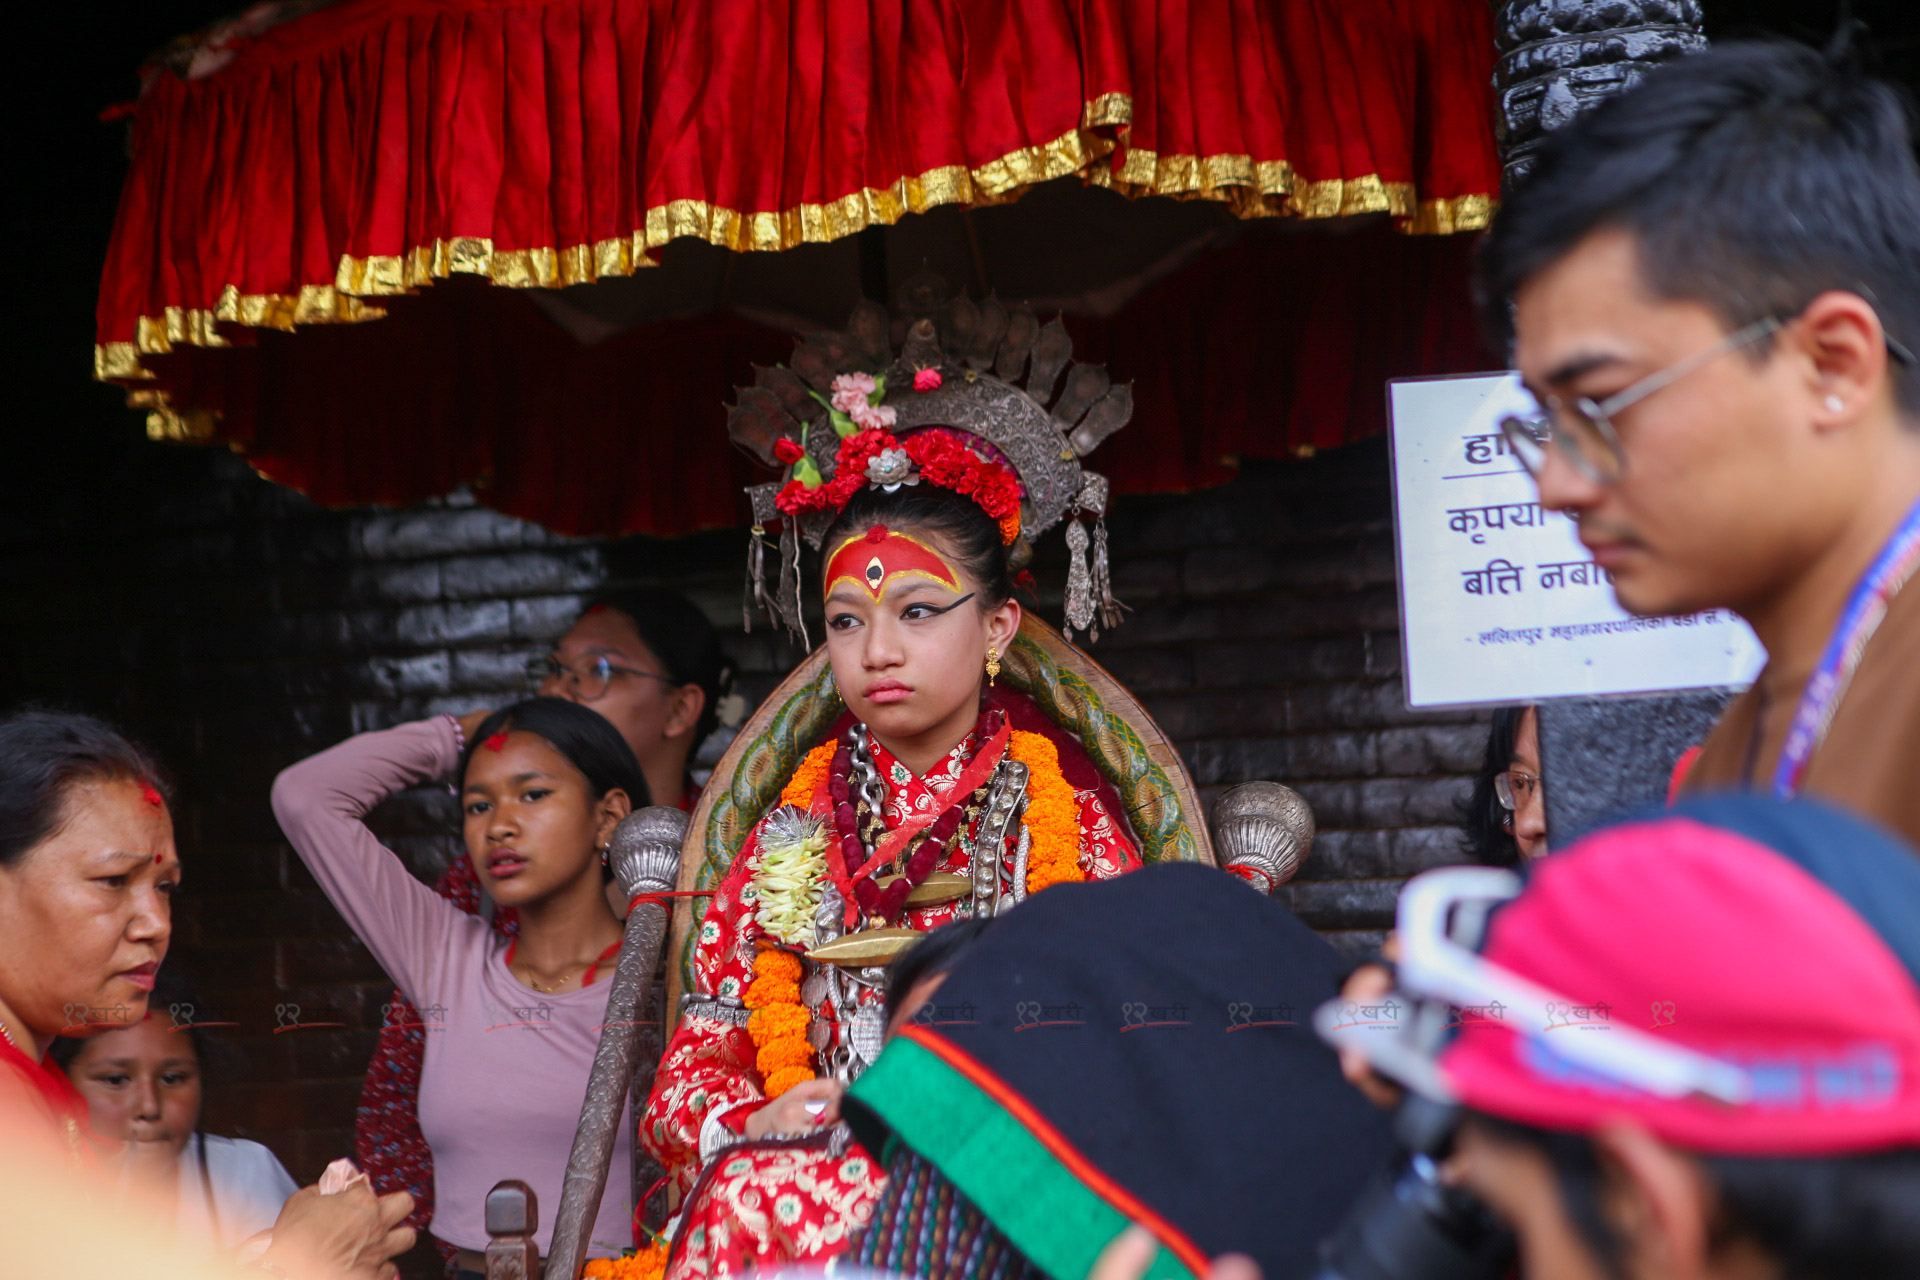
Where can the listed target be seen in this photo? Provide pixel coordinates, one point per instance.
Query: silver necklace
(866, 782)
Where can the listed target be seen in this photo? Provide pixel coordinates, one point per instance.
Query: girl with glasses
(1506, 816)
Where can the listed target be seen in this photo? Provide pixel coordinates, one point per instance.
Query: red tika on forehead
(497, 742)
(875, 562)
(151, 795)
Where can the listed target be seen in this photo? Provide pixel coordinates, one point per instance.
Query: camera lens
(1412, 1226)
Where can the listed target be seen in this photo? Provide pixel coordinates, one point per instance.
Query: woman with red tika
(88, 871)
(941, 794)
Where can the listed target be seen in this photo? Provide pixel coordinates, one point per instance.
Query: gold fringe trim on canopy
(1248, 188)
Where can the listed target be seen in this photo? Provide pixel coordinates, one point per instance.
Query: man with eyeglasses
(1712, 286)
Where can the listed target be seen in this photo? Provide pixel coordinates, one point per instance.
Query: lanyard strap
(1866, 609)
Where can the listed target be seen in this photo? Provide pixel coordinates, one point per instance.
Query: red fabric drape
(1274, 342)
(376, 145)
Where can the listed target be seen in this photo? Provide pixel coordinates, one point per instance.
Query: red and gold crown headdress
(967, 402)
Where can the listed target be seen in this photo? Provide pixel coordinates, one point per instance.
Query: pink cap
(1707, 939)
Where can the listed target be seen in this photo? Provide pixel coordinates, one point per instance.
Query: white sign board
(1499, 601)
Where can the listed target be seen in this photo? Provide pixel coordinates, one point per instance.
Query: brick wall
(237, 628)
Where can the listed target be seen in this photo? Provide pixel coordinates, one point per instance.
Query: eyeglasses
(1514, 788)
(1584, 430)
(588, 681)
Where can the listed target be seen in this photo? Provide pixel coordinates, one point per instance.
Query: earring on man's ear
(993, 665)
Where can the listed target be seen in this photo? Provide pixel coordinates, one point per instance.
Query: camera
(1409, 1225)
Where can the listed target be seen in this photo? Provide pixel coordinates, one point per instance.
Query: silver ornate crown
(1006, 380)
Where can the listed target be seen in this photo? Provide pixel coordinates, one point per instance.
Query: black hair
(174, 998)
(933, 955)
(969, 533)
(1845, 1217)
(586, 738)
(44, 754)
(1486, 838)
(676, 631)
(1752, 178)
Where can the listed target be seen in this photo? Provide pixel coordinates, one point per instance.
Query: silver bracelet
(715, 1137)
(714, 1008)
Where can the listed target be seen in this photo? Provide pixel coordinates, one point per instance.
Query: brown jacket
(1869, 762)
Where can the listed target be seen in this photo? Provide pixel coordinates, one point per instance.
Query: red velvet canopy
(349, 157)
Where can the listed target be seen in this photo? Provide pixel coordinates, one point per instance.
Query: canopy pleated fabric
(372, 147)
(1270, 347)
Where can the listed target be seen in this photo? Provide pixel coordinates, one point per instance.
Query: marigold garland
(777, 1024)
(808, 777)
(781, 1081)
(649, 1263)
(778, 1021)
(1053, 813)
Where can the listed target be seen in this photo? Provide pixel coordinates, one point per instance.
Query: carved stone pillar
(1559, 57)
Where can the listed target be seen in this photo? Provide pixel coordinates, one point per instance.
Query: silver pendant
(814, 991)
(867, 1034)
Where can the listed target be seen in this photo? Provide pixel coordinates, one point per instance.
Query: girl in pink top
(511, 1027)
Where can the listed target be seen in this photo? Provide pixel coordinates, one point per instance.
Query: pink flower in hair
(850, 392)
(874, 417)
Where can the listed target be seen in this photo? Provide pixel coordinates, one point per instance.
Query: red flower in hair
(951, 465)
(940, 459)
(849, 474)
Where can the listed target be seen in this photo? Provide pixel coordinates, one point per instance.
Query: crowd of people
(1683, 1046)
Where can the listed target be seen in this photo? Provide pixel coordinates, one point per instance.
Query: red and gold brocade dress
(771, 1202)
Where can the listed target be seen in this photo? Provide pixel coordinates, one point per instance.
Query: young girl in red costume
(887, 828)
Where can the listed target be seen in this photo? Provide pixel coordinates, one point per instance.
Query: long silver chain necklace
(869, 788)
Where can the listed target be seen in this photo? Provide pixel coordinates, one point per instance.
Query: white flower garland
(793, 865)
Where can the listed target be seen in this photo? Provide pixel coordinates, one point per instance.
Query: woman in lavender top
(511, 1026)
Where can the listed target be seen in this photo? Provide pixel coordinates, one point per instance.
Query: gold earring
(993, 665)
